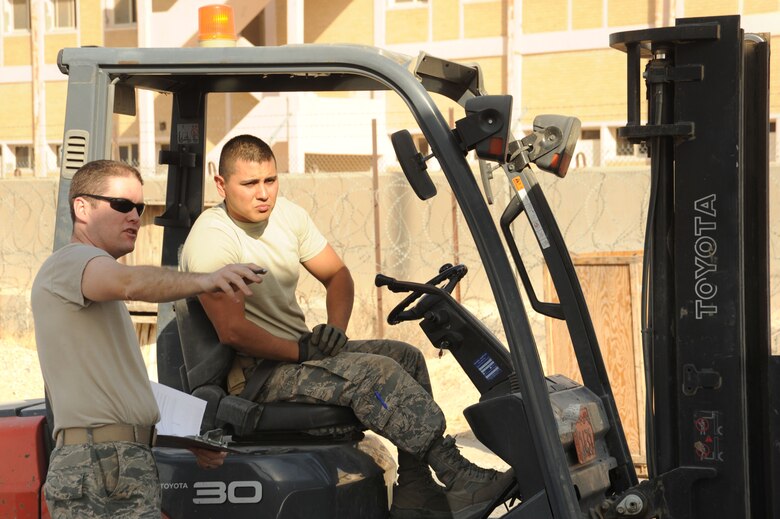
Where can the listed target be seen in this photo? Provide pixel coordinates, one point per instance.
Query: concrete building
(551, 55)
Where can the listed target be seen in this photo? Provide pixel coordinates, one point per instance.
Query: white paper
(180, 413)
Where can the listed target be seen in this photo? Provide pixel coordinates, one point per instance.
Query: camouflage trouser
(114, 480)
(385, 382)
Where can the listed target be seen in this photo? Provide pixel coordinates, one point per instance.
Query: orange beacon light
(216, 26)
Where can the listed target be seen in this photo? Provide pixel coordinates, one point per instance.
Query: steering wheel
(452, 274)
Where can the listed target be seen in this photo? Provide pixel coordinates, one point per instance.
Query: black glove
(306, 350)
(328, 338)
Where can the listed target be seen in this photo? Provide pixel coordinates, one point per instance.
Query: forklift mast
(712, 380)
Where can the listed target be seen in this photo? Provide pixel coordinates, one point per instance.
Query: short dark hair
(93, 178)
(243, 147)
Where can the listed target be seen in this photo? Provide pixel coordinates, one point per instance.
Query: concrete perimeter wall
(598, 210)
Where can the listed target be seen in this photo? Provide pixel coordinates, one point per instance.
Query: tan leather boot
(417, 495)
(470, 488)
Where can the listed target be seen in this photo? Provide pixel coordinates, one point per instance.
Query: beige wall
(760, 6)
(447, 26)
(635, 12)
(16, 51)
(483, 20)
(339, 21)
(405, 25)
(19, 112)
(54, 42)
(121, 38)
(551, 15)
(56, 95)
(90, 18)
(597, 210)
(588, 84)
(26, 239)
(709, 7)
(587, 14)
(774, 80)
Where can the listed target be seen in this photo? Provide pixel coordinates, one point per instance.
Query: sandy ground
(21, 374)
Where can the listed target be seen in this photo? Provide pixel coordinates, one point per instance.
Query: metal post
(380, 325)
(37, 32)
(454, 209)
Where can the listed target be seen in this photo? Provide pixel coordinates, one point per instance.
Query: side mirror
(552, 143)
(124, 99)
(413, 164)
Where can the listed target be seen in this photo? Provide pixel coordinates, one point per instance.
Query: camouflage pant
(114, 480)
(385, 382)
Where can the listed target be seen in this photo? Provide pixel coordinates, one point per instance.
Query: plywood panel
(148, 251)
(611, 283)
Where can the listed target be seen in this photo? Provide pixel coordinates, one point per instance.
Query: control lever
(486, 172)
(396, 286)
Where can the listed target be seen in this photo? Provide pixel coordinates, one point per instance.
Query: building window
(24, 156)
(590, 135)
(124, 12)
(128, 154)
(19, 17)
(623, 148)
(61, 14)
(161, 169)
(588, 151)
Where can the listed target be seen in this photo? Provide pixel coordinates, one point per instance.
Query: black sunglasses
(123, 205)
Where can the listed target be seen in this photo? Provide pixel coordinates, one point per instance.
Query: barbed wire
(597, 209)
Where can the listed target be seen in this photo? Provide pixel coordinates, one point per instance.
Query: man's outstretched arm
(105, 279)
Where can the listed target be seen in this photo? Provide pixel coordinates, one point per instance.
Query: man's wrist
(303, 347)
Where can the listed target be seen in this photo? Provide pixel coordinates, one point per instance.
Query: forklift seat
(204, 374)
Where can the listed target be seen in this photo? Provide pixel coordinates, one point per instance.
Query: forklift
(712, 412)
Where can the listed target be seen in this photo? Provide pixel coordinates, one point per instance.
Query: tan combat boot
(417, 495)
(470, 489)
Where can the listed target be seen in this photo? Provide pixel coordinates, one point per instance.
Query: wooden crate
(145, 328)
(148, 251)
(611, 283)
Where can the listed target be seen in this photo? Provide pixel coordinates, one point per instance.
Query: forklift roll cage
(189, 73)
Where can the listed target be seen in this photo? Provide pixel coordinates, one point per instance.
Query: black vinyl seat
(204, 374)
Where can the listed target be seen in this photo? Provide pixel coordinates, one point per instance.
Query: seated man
(385, 382)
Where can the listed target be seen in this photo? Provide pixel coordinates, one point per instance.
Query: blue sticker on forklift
(487, 367)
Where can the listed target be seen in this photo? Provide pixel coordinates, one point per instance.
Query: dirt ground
(21, 378)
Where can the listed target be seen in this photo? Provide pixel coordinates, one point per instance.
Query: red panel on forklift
(23, 469)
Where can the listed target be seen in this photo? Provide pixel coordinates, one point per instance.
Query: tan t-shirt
(89, 354)
(280, 244)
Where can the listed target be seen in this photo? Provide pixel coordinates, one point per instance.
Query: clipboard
(181, 415)
(187, 442)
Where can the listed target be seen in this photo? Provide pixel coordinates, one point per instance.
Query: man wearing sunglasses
(385, 382)
(99, 392)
